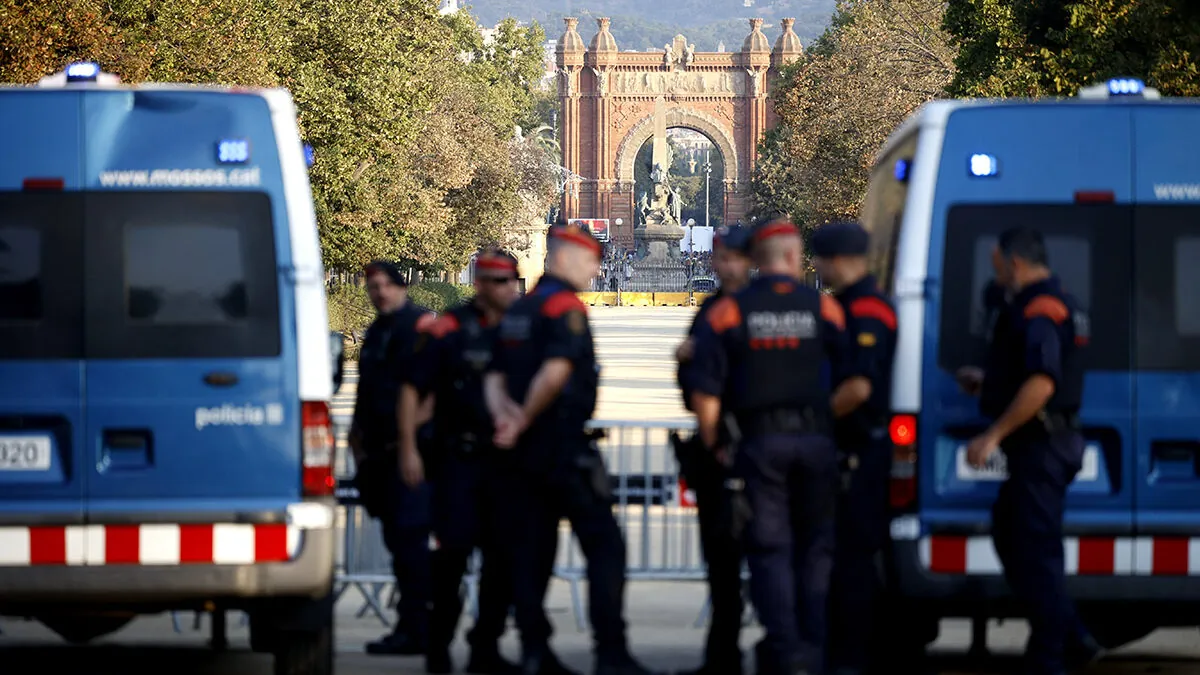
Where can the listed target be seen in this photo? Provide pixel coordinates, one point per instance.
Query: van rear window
(181, 275)
(1088, 247)
(1167, 274)
(41, 270)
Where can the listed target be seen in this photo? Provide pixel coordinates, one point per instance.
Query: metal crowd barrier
(653, 507)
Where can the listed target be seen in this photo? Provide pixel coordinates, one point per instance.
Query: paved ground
(634, 345)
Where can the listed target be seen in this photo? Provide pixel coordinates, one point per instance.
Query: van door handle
(221, 379)
(125, 449)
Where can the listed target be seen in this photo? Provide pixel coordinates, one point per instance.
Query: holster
(373, 478)
(700, 467)
(847, 464)
(587, 468)
(1043, 425)
(696, 464)
(735, 512)
(1056, 422)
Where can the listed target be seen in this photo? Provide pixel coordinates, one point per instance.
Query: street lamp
(691, 223)
(707, 176)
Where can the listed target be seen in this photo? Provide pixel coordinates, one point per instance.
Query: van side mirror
(337, 356)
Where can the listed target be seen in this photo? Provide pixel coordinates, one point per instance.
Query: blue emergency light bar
(83, 72)
(983, 166)
(233, 151)
(310, 156)
(1126, 86)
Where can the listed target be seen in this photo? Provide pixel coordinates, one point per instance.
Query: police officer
(839, 255)
(996, 296)
(707, 477)
(466, 472)
(403, 512)
(1032, 389)
(759, 359)
(541, 393)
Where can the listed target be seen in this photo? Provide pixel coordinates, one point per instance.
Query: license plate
(996, 468)
(24, 453)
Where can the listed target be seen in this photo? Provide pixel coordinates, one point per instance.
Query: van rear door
(1167, 354)
(193, 414)
(1043, 177)
(42, 469)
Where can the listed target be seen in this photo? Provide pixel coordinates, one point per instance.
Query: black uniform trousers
(862, 530)
(1027, 531)
(723, 557)
(405, 521)
(466, 515)
(540, 498)
(791, 483)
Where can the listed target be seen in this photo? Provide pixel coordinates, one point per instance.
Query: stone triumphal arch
(608, 101)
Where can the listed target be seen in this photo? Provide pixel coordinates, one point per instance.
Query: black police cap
(389, 268)
(734, 238)
(837, 239)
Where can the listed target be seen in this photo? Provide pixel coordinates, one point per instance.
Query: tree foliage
(1055, 47)
(878, 62)
(412, 114)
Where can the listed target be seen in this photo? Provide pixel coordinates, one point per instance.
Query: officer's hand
(412, 469)
(507, 430)
(685, 350)
(981, 448)
(970, 379)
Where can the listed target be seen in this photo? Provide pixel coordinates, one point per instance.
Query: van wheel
(80, 630)
(304, 652)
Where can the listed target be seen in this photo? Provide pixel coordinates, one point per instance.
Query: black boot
(622, 664)
(438, 661)
(714, 668)
(542, 661)
(399, 643)
(487, 661)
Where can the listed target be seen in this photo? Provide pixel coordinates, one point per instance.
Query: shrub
(439, 295)
(350, 311)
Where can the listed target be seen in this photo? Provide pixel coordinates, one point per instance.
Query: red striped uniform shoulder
(871, 307)
(561, 303)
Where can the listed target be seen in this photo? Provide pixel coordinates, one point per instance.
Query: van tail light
(902, 491)
(316, 428)
(1095, 197)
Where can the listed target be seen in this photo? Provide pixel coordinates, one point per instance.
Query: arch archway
(678, 118)
(609, 98)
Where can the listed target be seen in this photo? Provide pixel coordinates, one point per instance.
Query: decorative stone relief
(601, 81)
(678, 83)
(754, 77)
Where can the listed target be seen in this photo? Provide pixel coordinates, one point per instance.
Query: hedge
(350, 311)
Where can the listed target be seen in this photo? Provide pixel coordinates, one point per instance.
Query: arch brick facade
(608, 97)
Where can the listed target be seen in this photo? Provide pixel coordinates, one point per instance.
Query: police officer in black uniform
(759, 363)
(1032, 390)
(839, 252)
(541, 394)
(403, 512)
(466, 471)
(996, 297)
(706, 477)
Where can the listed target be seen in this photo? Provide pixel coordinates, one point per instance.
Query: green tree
(1055, 47)
(879, 61)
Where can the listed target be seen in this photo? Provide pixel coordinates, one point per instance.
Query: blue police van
(165, 435)
(1112, 178)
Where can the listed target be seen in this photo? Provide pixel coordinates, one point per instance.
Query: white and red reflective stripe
(1084, 556)
(158, 544)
